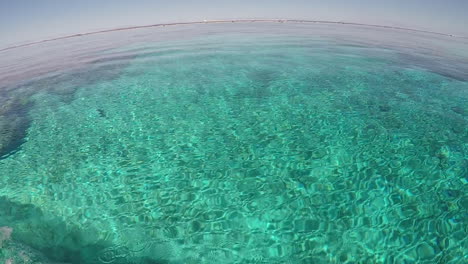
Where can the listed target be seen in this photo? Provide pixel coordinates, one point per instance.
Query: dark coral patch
(14, 124)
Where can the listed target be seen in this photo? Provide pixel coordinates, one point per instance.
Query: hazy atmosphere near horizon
(26, 20)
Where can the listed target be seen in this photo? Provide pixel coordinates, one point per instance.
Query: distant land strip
(229, 21)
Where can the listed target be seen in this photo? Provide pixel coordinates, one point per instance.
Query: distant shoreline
(228, 21)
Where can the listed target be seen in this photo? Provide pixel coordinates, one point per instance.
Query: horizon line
(227, 21)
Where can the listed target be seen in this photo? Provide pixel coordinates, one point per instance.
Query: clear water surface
(235, 143)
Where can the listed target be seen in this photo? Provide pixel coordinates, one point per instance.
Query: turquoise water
(237, 144)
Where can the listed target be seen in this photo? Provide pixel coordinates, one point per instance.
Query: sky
(23, 21)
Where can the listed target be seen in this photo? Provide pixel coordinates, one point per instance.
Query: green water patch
(15, 100)
(252, 154)
(38, 237)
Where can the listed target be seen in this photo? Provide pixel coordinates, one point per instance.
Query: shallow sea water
(242, 143)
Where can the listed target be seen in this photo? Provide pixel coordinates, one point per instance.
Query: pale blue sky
(30, 20)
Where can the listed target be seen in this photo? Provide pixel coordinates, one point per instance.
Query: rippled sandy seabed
(235, 143)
